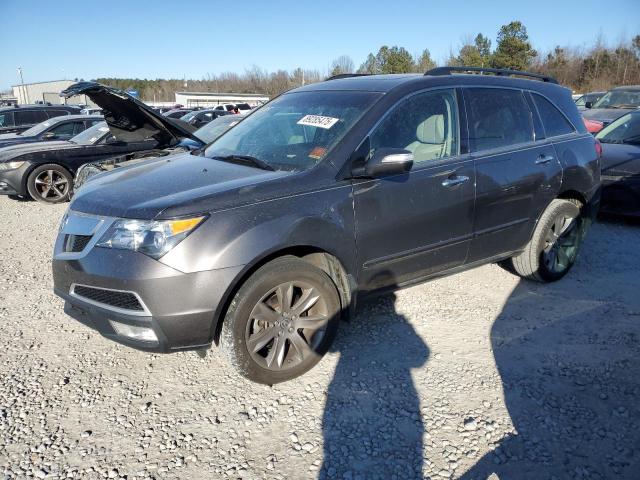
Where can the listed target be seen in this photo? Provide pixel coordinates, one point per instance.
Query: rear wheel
(50, 183)
(281, 322)
(555, 244)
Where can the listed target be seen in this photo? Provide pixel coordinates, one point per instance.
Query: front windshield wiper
(245, 160)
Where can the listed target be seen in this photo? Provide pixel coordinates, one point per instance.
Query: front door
(412, 225)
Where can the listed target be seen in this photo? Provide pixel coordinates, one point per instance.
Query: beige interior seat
(430, 143)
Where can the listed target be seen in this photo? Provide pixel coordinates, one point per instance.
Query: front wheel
(555, 244)
(50, 183)
(281, 322)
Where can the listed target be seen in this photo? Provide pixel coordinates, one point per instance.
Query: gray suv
(262, 241)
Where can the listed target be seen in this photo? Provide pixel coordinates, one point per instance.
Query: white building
(206, 99)
(43, 92)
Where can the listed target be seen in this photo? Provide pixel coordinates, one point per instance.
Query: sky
(67, 39)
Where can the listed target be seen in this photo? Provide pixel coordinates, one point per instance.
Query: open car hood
(129, 119)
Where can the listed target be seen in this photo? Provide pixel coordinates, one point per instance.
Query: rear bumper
(180, 307)
(621, 195)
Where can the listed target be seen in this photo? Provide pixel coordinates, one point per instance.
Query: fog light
(142, 334)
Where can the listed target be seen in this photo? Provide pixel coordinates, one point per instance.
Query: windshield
(215, 128)
(91, 135)
(37, 129)
(619, 99)
(296, 130)
(189, 116)
(626, 129)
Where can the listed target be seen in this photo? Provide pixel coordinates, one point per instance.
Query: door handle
(542, 159)
(453, 181)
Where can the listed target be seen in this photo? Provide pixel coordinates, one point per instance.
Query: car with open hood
(614, 104)
(264, 239)
(45, 170)
(57, 128)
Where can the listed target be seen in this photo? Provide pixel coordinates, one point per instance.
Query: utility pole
(22, 86)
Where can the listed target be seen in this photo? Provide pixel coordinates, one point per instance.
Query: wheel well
(573, 195)
(315, 256)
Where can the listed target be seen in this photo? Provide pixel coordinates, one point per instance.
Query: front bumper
(179, 307)
(621, 195)
(12, 182)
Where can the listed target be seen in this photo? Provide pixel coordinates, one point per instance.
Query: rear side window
(30, 117)
(497, 118)
(553, 121)
(57, 113)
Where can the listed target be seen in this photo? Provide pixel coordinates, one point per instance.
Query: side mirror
(588, 104)
(389, 161)
(49, 136)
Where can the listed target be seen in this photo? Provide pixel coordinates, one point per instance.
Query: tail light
(598, 147)
(593, 126)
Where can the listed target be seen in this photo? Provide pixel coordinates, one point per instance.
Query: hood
(129, 119)
(9, 136)
(12, 151)
(606, 115)
(162, 187)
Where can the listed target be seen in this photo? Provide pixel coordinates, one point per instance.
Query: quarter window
(426, 124)
(497, 118)
(554, 122)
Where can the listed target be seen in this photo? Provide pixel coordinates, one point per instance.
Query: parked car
(177, 112)
(205, 134)
(92, 111)
(244, 108)
(332, 192)
(614, 104)
(587, 100)
(199, 118)
(621, 165)
(19, 118)
(44, 171)
(227, 107)
(58, 128)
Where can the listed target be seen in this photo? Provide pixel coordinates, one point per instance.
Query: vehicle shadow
(568, 357)
(372, 425)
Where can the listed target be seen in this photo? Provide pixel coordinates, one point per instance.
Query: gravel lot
(458, 378)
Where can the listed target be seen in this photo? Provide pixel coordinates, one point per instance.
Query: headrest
(431, 130)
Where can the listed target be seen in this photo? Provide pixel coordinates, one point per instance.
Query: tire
(50, 183)
(549, 256)
(262, 340)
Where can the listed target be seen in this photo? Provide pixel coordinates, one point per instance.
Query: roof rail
(497, 71)
(347, 75)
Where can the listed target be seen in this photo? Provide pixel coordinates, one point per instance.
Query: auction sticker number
(318, 121)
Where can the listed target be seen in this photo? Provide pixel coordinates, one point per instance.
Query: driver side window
(426, 124)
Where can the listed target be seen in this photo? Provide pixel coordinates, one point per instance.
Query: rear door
(518, 173)
(410, 226)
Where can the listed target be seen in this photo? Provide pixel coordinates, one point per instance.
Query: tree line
(598, 67)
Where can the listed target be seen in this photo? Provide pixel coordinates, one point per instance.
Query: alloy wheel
(561, 244)
(51, 185)
(287, 325)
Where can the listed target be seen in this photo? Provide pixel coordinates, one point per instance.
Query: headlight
(151, 237)
(10, 165)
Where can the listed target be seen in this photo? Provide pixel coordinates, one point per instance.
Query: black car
(58, 128)
(21, 117)
(588, 99)
(199, 118)
(331, 192)
(614, 104)
(621, 166)
(45, 170)
(177, 112)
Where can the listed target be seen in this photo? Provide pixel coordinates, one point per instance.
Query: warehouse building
(46, 92)
(206, 99)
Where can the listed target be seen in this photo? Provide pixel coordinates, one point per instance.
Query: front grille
(76, 243)
(114, 298)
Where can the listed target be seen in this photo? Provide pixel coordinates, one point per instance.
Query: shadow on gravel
(372, 424)
(568, 356)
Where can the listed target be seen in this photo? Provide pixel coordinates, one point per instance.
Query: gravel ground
(472, 376)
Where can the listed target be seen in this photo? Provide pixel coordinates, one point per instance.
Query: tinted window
(66, 129)
(56, 113)
(29, 117)
(426, 124)
(6, 119)
(554, 122)
(497, 118)
(626, 129)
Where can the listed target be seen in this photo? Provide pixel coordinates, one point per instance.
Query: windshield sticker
(318, 121)
(317, 153)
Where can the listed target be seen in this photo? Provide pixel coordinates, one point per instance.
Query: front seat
(430, 143)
